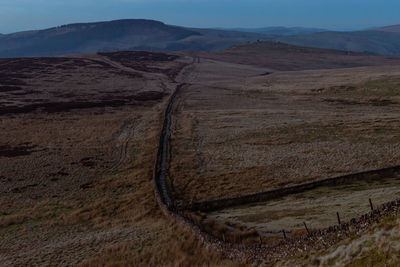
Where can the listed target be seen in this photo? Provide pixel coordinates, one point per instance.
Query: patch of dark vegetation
(63, 173)
(11, 77)
(10, 80)
(381, 102)
(265, 74)
(64, 95)
(342, 101)
(139, 97)
(74, 63)
(55, 107)
(373, 102)
(7, 88)
(123, 56)
(37, 100)
(86, 186)
(4, 179)
(25, 65)
(23, 188)
(101, 64)
(59, 173)
(109, 100)
(21, 150)
(28, 92)
(13, 71)
(127, 74)
(319, 90)
(149, 95)
(88, 162)
(336, 89)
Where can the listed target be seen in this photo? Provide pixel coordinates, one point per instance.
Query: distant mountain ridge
(132, 34)
(142, 34)
(370, 41)
(284, 31)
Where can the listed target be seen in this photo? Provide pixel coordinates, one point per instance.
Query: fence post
(370, 204)
(338, 217)
(305, 225)
(284, 234)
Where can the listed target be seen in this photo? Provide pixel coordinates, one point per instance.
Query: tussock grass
(228, 143)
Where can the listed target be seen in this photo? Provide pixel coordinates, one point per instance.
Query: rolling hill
(393, 28)
(281, 31)
(285, 57)
(117, 35)
(140, 34)
(371, 41)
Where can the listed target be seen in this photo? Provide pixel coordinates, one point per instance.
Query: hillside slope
(373, 41)
(281, 31)
(139, 34)
(393, 28)
(84, 38)
(281, 56)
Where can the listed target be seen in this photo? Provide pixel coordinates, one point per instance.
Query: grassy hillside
(374, 42)
(117, 35)
(393, 28)
(282, 31)
(134, 34)
(281, 56)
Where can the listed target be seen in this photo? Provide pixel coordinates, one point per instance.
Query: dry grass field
(79, 138)
(78, 142)
(240, 130)
(316, 207)
(246, 132)
(284, 57)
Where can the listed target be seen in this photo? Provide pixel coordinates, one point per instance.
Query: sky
(19, 15)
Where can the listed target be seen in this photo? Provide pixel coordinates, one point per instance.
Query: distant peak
(119, 21)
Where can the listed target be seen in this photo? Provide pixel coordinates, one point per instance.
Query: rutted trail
(121, 148)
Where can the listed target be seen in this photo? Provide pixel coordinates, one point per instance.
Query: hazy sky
(17, 15)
